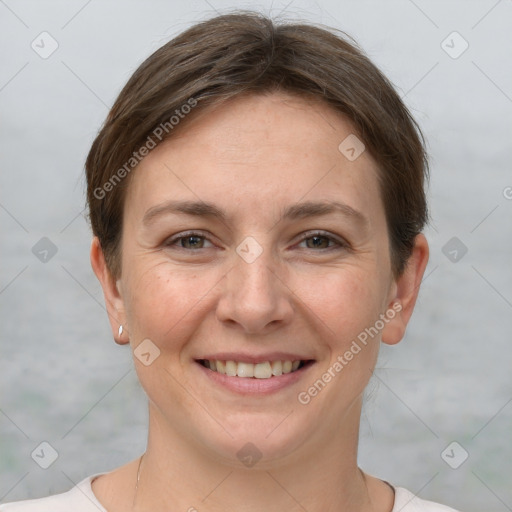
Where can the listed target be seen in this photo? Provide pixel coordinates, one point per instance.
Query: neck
(175, 474)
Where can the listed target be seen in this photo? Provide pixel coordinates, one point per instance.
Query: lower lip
(250, 385)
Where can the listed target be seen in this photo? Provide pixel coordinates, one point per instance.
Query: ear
(113, 298)
(405, 292)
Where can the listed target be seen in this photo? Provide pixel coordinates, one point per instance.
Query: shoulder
(79, 499)
(406, 501)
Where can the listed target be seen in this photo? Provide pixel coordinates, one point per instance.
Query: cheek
(164, 301)
(344, 302)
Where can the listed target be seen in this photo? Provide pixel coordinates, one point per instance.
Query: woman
(257, 201)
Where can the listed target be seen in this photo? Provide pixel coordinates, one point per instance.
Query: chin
(265, 440)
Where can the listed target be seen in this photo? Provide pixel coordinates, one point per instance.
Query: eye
(321, 240)
(193, 240)
(190, 240)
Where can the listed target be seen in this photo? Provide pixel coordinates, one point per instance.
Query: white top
(81, 499)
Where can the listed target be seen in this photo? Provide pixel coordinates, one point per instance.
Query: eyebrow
(292, 212)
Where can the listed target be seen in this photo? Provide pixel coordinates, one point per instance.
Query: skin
(295, 297)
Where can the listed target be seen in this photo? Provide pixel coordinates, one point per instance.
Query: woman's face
(252, 238)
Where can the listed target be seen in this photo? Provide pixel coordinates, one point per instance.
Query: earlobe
(405, 292)
(113, 298)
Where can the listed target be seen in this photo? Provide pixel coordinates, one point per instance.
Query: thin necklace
(138, 478)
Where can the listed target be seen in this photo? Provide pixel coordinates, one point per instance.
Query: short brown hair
(246, 52)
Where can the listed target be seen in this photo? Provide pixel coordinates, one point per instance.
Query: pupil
(318, 240)
(192, 241)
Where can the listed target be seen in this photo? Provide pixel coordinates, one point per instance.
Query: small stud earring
(120, 330)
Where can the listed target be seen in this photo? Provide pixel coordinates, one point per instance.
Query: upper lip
(254, 358)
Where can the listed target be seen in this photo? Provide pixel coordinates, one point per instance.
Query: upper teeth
(263, 370)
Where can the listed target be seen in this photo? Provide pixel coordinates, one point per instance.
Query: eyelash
(339, 242)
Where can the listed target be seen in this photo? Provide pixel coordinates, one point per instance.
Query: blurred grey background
(63, 379)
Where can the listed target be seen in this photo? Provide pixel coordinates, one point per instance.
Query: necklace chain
(138, 477)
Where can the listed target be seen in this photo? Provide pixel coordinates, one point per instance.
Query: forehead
(258, 153)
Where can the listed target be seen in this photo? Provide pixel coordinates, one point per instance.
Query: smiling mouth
(263, 370)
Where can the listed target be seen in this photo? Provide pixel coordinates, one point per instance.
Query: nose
(255, 297)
